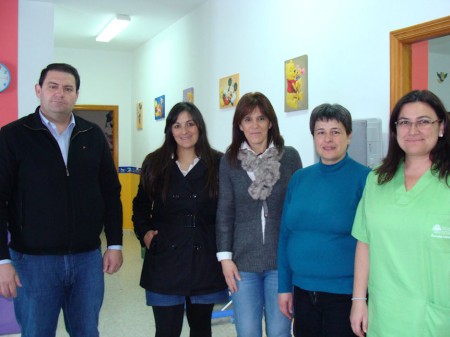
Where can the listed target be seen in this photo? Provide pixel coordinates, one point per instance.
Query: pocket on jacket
(161, 247)
(437, 257)
(246, 238)
(437, 321)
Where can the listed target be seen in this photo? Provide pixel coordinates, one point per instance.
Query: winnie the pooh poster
(296, 84)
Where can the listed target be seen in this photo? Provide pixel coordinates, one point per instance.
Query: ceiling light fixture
(119, 23)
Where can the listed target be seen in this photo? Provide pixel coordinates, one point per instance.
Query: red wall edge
(419, 77)
(9, 23)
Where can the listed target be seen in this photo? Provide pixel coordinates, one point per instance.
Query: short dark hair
(439, 155)
(63, 67)
(326, 112)
(245, 106)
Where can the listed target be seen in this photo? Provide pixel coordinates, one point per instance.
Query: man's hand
(9, 280)
(112, 261)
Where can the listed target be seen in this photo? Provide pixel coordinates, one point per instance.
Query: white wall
(347, 43)
(35, 50)
(106, 79)
(436, 64)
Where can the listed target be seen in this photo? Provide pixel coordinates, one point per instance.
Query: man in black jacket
(58, 190)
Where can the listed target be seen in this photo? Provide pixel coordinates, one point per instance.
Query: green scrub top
(408, 233)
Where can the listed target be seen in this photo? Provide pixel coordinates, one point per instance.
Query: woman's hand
(148, 237)
(231, 274)
(285, 303)
(358, 318)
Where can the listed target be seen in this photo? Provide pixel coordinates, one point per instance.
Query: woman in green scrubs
(403, 228)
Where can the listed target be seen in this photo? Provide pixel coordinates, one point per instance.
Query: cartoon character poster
(160, 107)
(296, 84)
(229, 91)
(188, 95)
(139, 115)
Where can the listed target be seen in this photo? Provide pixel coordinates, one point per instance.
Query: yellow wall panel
(129, 182)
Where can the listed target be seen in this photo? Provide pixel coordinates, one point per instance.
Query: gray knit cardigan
(238, 221)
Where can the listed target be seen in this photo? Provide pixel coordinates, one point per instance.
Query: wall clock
(5, 77)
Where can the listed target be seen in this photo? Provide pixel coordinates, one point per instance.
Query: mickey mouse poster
(228, 91)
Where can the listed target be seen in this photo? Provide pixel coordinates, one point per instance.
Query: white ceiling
(78, 22)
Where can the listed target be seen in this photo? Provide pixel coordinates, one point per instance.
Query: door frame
(400, 53)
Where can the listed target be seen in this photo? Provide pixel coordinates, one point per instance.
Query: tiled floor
(124, 312)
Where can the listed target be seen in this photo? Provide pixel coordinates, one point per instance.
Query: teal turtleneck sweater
(316, 250)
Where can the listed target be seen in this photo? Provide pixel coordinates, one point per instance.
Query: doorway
(400, 52)
(106, 117)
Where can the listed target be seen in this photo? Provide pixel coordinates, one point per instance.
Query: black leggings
(169, 320)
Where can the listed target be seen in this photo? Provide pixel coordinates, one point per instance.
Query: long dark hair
(157, 166)
(245, 106)
(439, 155)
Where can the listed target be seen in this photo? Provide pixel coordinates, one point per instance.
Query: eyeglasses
(421, 124)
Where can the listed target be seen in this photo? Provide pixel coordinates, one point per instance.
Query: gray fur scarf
(266, 168)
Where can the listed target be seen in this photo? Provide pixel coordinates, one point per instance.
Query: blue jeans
(73, 283)
(258, 293)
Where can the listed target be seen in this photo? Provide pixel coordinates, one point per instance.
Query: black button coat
(182, 256)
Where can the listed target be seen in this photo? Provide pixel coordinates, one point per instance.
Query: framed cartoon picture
(229, 91)
(160, 107)
(139, 115)
(296, 84)
(188, 95)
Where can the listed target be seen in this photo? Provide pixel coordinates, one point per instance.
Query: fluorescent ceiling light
(119, 23)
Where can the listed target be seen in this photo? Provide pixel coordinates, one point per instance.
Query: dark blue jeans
(73, 283)
(320, 314)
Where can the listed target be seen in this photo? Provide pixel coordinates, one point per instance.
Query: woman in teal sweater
(316, 249)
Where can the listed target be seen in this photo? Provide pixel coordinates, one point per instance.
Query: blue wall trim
(129, 169)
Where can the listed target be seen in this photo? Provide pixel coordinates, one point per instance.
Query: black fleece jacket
(50, 208)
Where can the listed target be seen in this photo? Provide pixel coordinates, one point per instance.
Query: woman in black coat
(174, 216)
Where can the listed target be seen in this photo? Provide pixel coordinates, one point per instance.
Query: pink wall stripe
(419, 71)
(9, 18)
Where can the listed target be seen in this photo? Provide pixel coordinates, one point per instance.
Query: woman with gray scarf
(253, 177)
